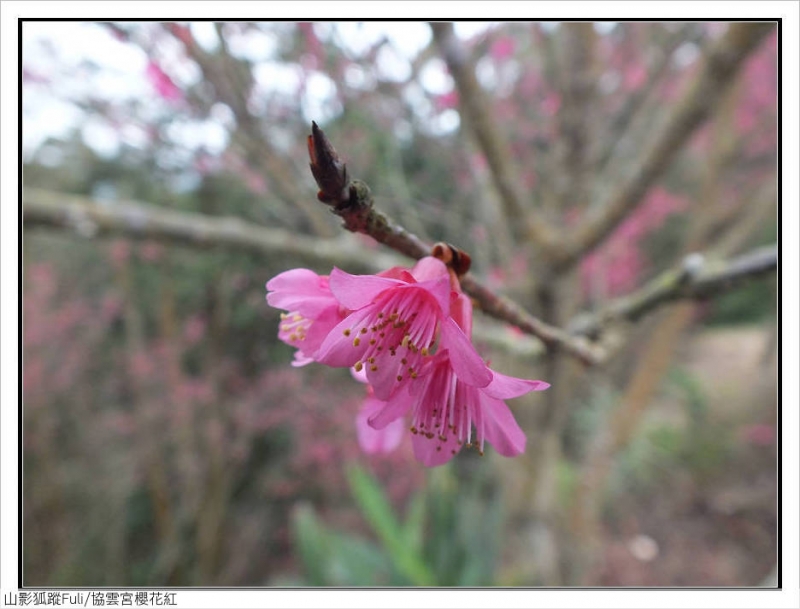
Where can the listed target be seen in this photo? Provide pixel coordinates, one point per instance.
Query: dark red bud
(327, 168)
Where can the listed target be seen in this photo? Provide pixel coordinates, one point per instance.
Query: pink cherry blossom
(406, 333)
(312, 311)
(445, 406)
(444, 410)
(394, 325)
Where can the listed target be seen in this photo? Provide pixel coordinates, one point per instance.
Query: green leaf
(311, 540)
(379, 514)
(332, 558)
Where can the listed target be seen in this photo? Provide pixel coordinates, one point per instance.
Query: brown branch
(352, 201)
(478, 118)
(141, 221)
(715, 76)
(577, 86)
(694, 278)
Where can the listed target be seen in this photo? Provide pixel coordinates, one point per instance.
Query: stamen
(346, 332)
(359, 366)
(356, 341)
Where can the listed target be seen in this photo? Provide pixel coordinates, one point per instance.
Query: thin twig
(694, 278)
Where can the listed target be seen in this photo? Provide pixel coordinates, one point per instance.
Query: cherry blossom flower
(406, 333)
(444, 410)
(312, 311)
(445, 407)
(394, 325)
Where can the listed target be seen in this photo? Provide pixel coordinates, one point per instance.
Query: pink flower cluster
(406, 333)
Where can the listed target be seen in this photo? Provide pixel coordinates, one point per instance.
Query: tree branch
(141, 221)
(694, 278)
(352, 201)
(716, 74)
(478, 117)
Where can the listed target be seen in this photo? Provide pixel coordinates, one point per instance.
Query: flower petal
(429, 268)
(300, 290)
(504, 387)
(339, 348)
(393, 409)
(432, 452)
(384, 378)
(466, 363)
(356, 291)
(439, 288)
(371, 440)
(500, 428)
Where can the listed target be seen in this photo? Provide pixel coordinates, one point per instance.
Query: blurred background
(167, 440)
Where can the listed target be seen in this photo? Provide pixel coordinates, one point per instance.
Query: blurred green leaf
(311, 541)
(337, 559)
(379, 514)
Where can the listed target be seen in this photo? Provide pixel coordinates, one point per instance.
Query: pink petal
(319, 329)
(504, 387)
(301, 360)
(461, 312)
(338, 349)
(384, 379)
(373, 440)
(466, 363)
(300, 290)
(429, 268)
(392, 410)
(500, 428)
(356, 291)
(439, 288)
(398, 272)
(432, 452)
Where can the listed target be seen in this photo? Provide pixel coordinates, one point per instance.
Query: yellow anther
(374, 368)
(356, 341)
(424, 351)
(359, 366)
(346, 332)
(399, 377)
(363, 330)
